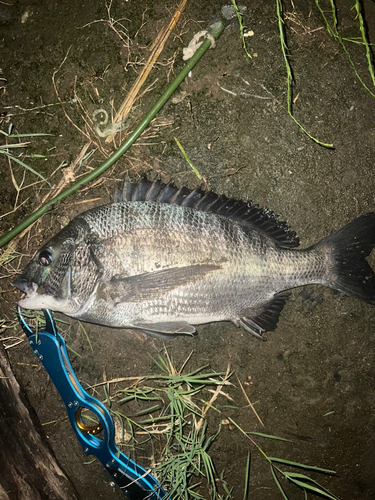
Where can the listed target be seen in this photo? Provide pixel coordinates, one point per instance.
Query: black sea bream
(165, 259)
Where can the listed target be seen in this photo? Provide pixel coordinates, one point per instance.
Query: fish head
(46, 280)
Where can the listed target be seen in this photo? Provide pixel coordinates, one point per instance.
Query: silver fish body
(167, 259)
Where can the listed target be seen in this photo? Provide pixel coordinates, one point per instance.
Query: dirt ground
(312, 381)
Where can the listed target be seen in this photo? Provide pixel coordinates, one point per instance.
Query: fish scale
(174, 258)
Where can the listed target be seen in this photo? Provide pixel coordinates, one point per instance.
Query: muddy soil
(312, 381)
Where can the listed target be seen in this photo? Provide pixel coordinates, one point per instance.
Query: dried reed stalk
(156, 49)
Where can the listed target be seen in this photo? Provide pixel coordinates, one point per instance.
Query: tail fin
(349, 248)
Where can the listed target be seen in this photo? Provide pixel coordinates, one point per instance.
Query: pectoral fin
(168, 330)
(149, 286)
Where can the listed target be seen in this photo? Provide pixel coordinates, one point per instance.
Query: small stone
(228, 12)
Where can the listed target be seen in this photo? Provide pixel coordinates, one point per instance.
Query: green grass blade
(304, 482)
(13, 158)
(155, 420)
(188, 159)
(86, 335)
(247, 477)
(16, 136)
(73, 351)
(276, 479)
(160, 364)
(106, 396)
(147, 410)
(301, 466)
(269, 436)
(13, 146)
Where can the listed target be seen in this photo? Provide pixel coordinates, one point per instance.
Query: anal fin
(265, 317)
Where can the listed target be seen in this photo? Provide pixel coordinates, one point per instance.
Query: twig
(208, 405)
(68, 173)
(115, 381)
(248, 400)
(59, 98)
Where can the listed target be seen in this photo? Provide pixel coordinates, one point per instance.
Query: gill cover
(49, 266)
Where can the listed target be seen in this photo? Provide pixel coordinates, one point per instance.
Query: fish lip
(29, 288)
(23, 284)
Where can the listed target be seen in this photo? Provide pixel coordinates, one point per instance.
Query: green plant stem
(242, 28)
(215, 30)
(188, 159)
(284, 50)
(333, 32)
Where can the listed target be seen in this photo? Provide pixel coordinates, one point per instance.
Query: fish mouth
(35, 299)
(28, 288)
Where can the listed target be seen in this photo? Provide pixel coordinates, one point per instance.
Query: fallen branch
(28, 468)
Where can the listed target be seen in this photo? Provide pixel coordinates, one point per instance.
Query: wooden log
(28, 469)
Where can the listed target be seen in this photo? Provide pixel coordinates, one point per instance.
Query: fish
(164, 259)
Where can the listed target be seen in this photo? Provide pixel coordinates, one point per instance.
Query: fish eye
(45, 258)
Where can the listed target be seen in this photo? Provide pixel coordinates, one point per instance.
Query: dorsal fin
(247, 213)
